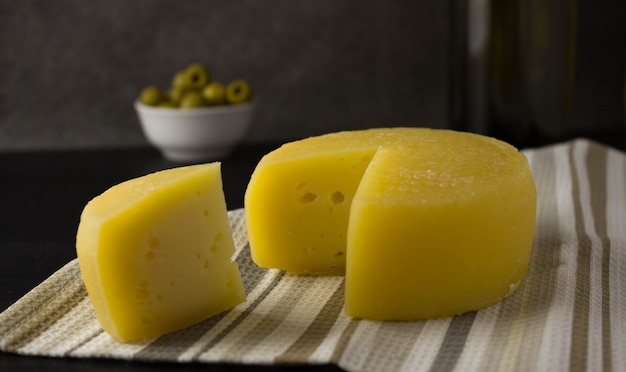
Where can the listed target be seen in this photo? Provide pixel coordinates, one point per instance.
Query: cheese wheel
(156, 253)
(424, 223)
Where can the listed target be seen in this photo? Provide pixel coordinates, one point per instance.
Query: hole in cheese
(153, 242)
(141, 294)
(307, 198)
(337, 197)
(149, 256)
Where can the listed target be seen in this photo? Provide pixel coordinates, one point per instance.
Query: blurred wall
(70, 69)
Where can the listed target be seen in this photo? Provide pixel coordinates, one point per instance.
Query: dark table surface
(43, 194)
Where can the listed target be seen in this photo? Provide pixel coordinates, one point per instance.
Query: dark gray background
(70, 69)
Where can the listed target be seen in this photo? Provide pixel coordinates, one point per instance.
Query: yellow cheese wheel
(156, 253)
(424, 223)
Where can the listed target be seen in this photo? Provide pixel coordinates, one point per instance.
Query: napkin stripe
(86, 338)
(453, 342)
(616, 215)
(394, 342)
(580, 324)
(556, 336)
(600, 315)
(484, 341)
(344, 339)
(596, 165)
(309, 341)
(593, 281)
(361, 344)
(542, 279)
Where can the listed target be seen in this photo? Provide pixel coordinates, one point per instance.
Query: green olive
(192, 99)
(175, 95)
(151, 96)
(238, 91)
(214, 94)
(197, 76)
(179, 82)
(192, 87)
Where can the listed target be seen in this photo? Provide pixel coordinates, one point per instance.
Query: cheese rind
(156, 253)
(436, 222)
(421, 258)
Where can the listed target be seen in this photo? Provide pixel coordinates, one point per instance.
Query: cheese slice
(424, 223)
(156, 253)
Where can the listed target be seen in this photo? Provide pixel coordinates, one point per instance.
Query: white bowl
(199, 134)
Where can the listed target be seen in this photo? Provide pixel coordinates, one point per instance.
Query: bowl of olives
(197, 119)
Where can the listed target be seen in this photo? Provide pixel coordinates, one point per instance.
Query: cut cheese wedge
(424, 223)
(156, 253)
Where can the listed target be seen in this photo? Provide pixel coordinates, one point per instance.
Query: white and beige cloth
(570, 314)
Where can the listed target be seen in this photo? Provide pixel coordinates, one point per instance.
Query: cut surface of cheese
(155, 253)
(424, 223)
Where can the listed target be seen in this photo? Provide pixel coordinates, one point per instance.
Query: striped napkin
(570, 314)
